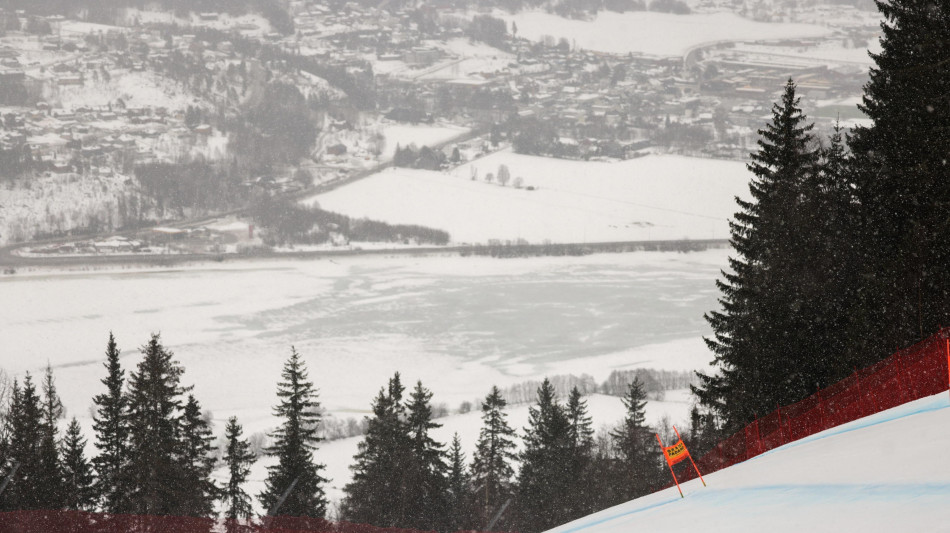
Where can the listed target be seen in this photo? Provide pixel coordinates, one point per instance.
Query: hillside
(876, 474)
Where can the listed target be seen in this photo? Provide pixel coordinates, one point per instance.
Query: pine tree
(154, 473)
(903, 180)
(49, 470)
(581, 435)
(375, 495)
(238, 458)
(459, 516)
(24, 425)
(424, 476)
(758, 338)
(80, 494)
(294, 443)
(198, 491)
(110, 424)
(544, 483)
(637, 449)
(494, 454)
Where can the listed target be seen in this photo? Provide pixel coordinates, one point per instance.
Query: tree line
(155, 454)
(840, 252)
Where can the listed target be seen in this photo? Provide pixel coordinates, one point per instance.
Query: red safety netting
(910, 374)
(47, 521)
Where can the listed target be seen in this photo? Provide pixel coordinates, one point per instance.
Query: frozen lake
(458, 324)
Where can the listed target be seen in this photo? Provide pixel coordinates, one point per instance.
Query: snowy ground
(884, 473)
(651, 198)
(458, 324)
(831, 53)
(655, 34)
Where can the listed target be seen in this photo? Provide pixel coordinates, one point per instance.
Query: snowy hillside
(883, 473)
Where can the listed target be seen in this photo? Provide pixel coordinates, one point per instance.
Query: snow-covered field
(655, 34)
(880, 474)
(651, 198)
(458, 324)
(830, 53)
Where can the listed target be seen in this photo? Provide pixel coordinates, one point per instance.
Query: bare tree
(503, 175)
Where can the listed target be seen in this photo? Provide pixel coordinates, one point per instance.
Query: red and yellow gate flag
(675, 453)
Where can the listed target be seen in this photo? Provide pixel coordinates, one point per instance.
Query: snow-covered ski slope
(889, 472)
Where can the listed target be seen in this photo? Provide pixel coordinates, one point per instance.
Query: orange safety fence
(910, 374)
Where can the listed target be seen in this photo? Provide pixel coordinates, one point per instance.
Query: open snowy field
(880, 474)
(651, 198)
(654, 34)
(458, 324)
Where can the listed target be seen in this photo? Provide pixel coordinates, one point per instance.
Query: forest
(156, 452)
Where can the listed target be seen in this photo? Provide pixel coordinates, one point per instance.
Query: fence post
(785, 438)
(948, 363)
(821, 411)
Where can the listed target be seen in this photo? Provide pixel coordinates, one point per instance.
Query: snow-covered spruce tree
(375, 495)
(492, 464)
(904, 177)
(110, 423)
(544, 482)
(154, 473)
(637, 454)
(425, 475)
(758, 341)
(79, 489)
(459, 480)
(51, 492)
(238, 459)
(198, 490)
(294, 443)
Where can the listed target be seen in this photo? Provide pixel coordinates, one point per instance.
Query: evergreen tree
(238, 458)
(80, 494)
(110, 423)
(294, 443)
(25, 427)
(198, 491)
(634, 441)
(760, 335)
(581, 435)
(51, 491)
(425, 475)
(543, 482)
(153, 475)
(375, 495)
(491, 465)
(903, 184)
(459, 516)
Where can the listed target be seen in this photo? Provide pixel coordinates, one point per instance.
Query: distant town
(122, 119)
